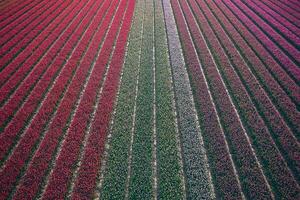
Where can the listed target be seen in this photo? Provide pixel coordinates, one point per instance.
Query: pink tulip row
(292, 26)
(32, 135)
(239, 32)
(20, 24)
(292, 4)
(252, 178)
(285, 45)
(259, 9)
(86, 181)
(254, 121)
(71, 148)
(16, 45)
(225, 179)
(11, 14)
(282, 12)
(286, 8)
(232, 11)
(42, 68)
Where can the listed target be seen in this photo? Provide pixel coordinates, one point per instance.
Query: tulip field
(150, 99)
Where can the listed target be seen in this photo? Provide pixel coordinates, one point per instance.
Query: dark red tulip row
(232, 11)
(9, 14)
(287, 47)
(224, 177)
(281, 19)
(45, 65)
(90, 165)
(65, 26)
(18, 25)
(9, 68)
(71, 147)
(268, 152)
(16, 45)
(32, 135)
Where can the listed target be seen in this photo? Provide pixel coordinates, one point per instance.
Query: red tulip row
(225, 179)
(14, 95)
(15, 128)
(47, 150)
(71, 147)
(7, 69)
(292, 4)
(278, 95)
(293, 38)
(12, 7)
(239, 32)
(232, 11)
(42, 68)
(22, 58)
(15, 46)
(251, 176)
(86, 181)
(32, 135)
(249, 113)
(286, 8)
(288, 48)
(284, 13)
(15, 27)
(11, 14)
(284, 21)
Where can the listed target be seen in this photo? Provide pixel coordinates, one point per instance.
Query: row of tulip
(11, 14)
(117, 161)
(32, 135)
(56, 134)
(232, 11)
(11, 49)
(225, 179)
(15, 27)
(262, 61)
(60, 47)
(246, 107)
(90, 165)
(286, 22)
(286, 8)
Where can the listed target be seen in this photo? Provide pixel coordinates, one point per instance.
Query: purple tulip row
(292, 26)
(223, 173)
(247, 108)
(232, 11)
(293, 37)
(251, 46)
